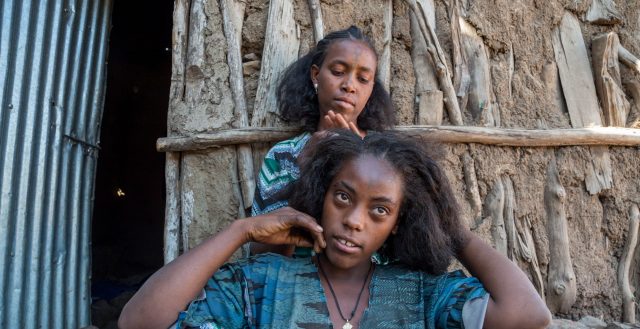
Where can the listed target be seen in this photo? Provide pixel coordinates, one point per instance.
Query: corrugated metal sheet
(52, 72)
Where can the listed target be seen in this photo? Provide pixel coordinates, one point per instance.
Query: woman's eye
(337, 73)
(364, 80)
(380, 211)
(342, 197)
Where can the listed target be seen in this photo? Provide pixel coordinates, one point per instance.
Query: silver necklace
(346, 325)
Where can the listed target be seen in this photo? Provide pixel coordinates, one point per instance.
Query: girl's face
(360, 210)
(345, 79)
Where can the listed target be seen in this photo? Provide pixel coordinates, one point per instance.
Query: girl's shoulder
(430, 283)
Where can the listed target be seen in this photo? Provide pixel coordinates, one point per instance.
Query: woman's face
(360, 210)
(345, 79)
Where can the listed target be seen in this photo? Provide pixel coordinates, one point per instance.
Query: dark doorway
(128, 214)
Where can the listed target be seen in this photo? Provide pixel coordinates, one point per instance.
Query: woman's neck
(355, 273)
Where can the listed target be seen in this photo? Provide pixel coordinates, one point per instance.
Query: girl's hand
(336, 121)
(286, 226)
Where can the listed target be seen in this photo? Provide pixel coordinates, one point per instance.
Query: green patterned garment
(279, 169)
(273, 291)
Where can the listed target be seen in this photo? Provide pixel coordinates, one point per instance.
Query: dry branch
(430, 99)
(461, 71)
(195, 53)
(385, 58)
(477, 98)
(633, 120)
(604, 55)
(494, 209)
(233, 15)
(628, 59)
(471, 182)
(445, 134)
(316, 18)
(179, 48)
(186, 206)
(172, 209)
(561, 280)
(527, 252)
(628, 301)
(509, 216)
(437, 56)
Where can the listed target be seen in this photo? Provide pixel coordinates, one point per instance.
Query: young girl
(381, 193)
(333, 86)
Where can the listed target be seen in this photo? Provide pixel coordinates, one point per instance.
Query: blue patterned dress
(273, 291)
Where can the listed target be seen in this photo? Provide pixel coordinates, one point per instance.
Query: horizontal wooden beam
(527, 137)
(446, 134)
(225, 137)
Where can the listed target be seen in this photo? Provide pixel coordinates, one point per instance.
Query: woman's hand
(330, 121)
(286, 226)
(334, 120)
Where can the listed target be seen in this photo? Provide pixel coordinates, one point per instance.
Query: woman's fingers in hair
(337, 120)
(354, 128)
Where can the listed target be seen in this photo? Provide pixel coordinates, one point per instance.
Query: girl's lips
(341, 102)
(345, 246)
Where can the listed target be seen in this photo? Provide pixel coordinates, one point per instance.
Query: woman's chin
(344, 261)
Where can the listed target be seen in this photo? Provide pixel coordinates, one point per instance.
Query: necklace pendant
(347, 325)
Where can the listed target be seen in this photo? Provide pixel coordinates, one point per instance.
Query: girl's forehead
(351, 50)
(371, 174)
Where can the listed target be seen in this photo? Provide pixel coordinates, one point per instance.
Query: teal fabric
(273, 291)
(279, 169)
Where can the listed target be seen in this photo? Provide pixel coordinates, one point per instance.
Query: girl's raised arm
(167, 292)
(514, 302)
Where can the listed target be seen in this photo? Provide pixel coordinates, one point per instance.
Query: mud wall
(504, 67)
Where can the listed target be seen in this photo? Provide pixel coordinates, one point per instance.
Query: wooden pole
(628, 301)
(446, 134)
(316, 18)
(172, 209)
(561, 280)
(233, 14)
(385, 58)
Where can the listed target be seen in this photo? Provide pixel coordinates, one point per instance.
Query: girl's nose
(348, 85)
(355, 219)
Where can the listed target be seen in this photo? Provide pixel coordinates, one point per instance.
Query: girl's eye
(342, 197)
(337, 73)
(380, 211)
(364, 80)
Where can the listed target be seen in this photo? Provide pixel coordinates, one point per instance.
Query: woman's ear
(315, 70)
(394, 230)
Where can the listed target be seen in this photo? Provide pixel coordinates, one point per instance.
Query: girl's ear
(315, 70)
(395, 229)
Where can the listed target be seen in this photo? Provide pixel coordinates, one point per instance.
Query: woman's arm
(514, 301)
(168, 291)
